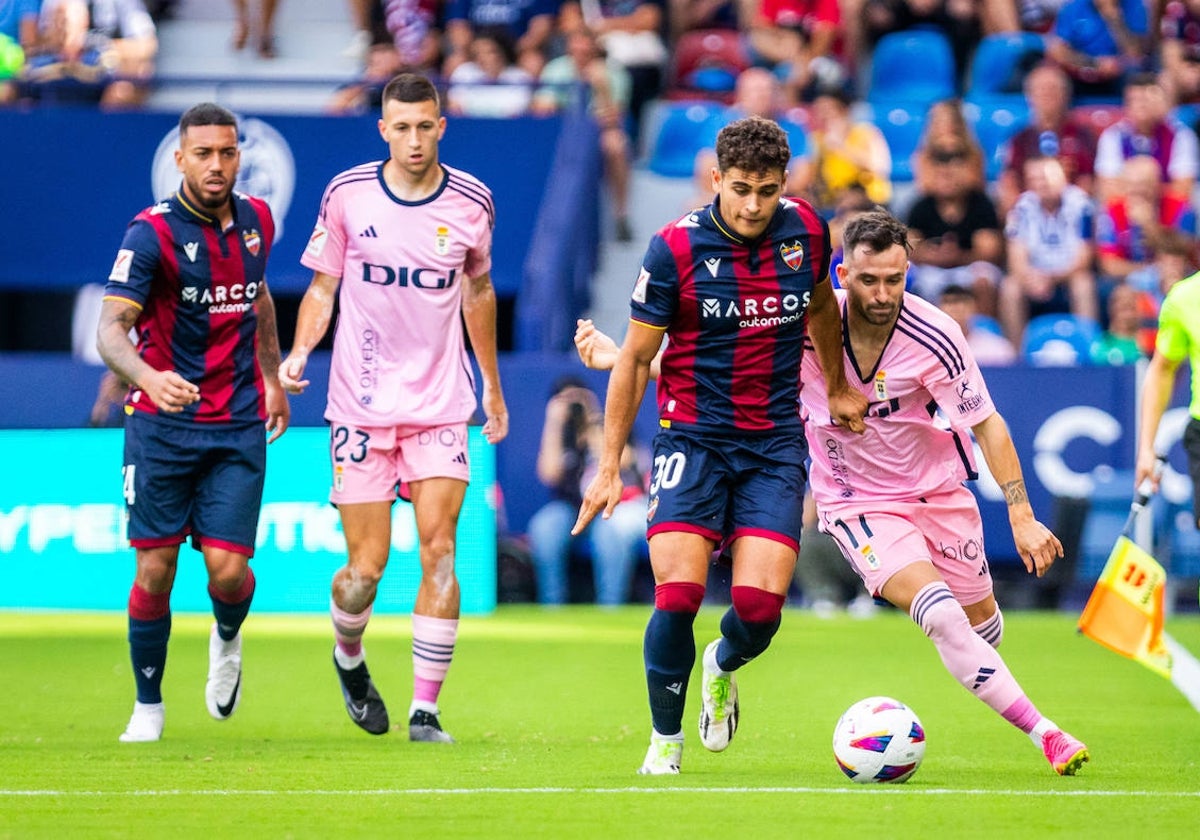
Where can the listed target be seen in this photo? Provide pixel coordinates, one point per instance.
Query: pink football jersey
(909, 449)
(398, 351)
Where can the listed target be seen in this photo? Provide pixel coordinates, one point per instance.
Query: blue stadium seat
(1059, 340)
(705, 63)
(686, 128)
(1108, 510)
(994, 121)
(912, 66)
(1000, 63)
(901, 126)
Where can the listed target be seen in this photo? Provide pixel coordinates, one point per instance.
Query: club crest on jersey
(253, 240)
(652, 509)
(793, 254)
(442, 241)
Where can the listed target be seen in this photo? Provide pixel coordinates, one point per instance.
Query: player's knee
(756, 606)
(991, 630)
(678, 596)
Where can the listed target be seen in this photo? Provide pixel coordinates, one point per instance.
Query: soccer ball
(879, 740)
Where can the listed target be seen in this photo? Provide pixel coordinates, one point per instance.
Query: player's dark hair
(753, 144)
(877, 229)
(411, 87)
(206, 113)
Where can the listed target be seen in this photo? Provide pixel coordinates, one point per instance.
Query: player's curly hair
(753, 144)
(877, 229)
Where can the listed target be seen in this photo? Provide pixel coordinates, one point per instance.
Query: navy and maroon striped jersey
(735, 316)
(196, 286)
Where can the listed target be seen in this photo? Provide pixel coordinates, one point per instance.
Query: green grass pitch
(548, 707)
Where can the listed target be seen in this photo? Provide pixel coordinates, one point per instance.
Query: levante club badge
(793, 254)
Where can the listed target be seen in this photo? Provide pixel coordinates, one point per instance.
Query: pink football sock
(432, 650)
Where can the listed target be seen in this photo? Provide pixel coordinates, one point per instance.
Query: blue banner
(63, 546)
(76, 177)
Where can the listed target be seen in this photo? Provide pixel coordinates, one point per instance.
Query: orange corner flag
(1125, 610)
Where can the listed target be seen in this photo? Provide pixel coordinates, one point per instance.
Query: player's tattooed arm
(269, 354)
(1014, 493)
(165, 388)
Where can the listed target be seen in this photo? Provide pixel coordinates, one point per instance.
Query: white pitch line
(857, 791)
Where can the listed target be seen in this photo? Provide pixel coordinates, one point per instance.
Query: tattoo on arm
(1014, 493)
(268, 337)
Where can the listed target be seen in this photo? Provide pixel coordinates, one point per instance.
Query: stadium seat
(1188, 113)
(705, 63)
(994, 121)
(1000, 63)
(686, 128)
(910, 67)
(1108, 510)
(901, 126)
(1059, 340)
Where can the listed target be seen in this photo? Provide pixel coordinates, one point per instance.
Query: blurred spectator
(946, 127)
(1173, 261)
(1050, 254)
(263, 28)
(607, 88)
(827, 583)
(1038, 15)
(1052, 130)
(366, 95)
(1179, 49)
(962, 21)
(758, 93)
(988, 346)
(1118, 344)
(846, 152)
(489, 83)
(631, 33)
(688, 15)
(363, 14)
(955, 230)
(530, 25)
(797, 38)
(105, 49)
(1139, 219)
(1097, 42)
(1147, 128)
(18, 33)
(570, 444)
(412, 27)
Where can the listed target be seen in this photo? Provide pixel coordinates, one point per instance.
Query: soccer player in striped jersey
(405, 246)
(735, 287)
(189, 279)
(893, 498)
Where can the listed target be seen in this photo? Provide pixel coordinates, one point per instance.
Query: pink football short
(945, 529)
(372, 464)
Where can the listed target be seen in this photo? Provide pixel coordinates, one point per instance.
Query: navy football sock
(230, 609)
(670, 652)
(148, 653)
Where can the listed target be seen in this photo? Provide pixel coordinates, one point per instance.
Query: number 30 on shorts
(668, 470)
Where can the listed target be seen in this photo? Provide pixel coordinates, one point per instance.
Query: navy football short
(725, 488)
(201, 479)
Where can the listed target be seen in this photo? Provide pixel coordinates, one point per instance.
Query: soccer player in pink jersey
(893, 498)
(405, 245)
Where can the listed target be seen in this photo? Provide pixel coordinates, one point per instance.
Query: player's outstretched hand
(596, 349)
(1037, 545)
(290, 371)
(602, 495)
(170, 391)
(847, 408)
